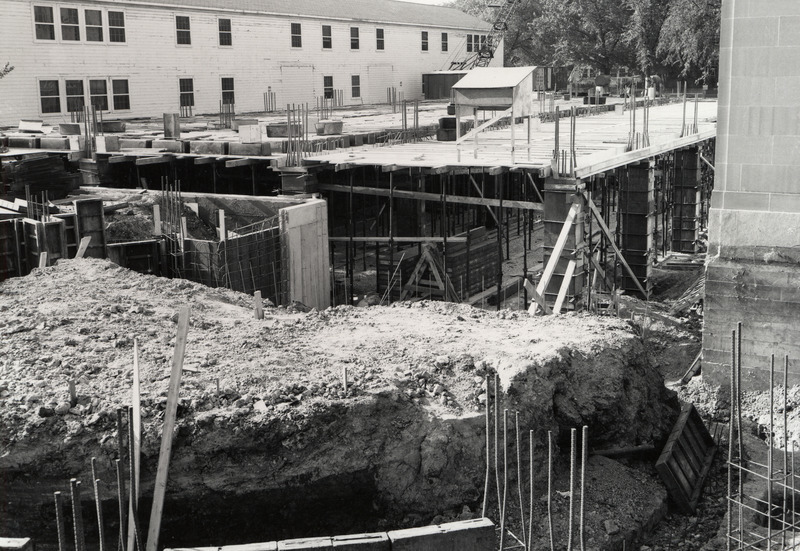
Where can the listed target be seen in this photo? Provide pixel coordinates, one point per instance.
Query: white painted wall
(260, 58)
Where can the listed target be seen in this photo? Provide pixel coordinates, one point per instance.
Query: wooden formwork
(90, 221)
(140, 256)
(40, 237)
(10, 249)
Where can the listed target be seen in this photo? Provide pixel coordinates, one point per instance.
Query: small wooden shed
(497, 89)
(507, 90)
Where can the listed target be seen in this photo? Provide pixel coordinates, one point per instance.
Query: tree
(587, 32)
(644, 29)
(7, 69)
(689, 38)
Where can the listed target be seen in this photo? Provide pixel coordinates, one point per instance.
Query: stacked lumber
(41, 173)
(690, 297)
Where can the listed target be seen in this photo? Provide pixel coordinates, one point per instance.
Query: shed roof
(493, 77)
(381, 11)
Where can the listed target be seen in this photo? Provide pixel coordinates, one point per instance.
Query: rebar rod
(497, 435)
(529, 543)
(98, 504)
(488, 451)
(794, 520)
(572, 436)
(740, 481)
(505, 480)
(77, 514)
(519, 481)
(134, 493)
(550, 488)
(785, 449)
(123, 529)
(730, 441)
(62, 532)
(584, 455)
(769, 449)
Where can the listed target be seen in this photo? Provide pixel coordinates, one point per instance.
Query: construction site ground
(264, 420)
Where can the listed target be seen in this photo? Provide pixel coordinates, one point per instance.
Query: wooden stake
(43, 260)
(98, 504)
(83, 246)
(73, 394)
(136, 441)
(344, 380)
(156, 220)
(258, 305)
(167, 432)
(62, 532)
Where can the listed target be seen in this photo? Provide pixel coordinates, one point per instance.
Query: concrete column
(559, 195)
(637, 223)
(686, 200)
(753, 269)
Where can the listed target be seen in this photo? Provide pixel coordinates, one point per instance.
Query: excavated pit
(279, 451)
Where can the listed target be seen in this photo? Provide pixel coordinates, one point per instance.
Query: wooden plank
(160, 159)
(484, 126)
(359, 239)
(562, 292)
(83, 246)
(205, 160)
(114, 159)
(170, 414)
(43, 260)
(258, 306)
(424, 196)
(233, 163)
(537, 297)
(599, 217)
(558, 248)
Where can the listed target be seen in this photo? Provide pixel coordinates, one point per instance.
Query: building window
(183, 28)
(227, 91)
(70, 28)
(122, 98)
(327, 37)
(116, 26)
(98, 94)
(225, 33)
(94, 25)
(297, 37)
(75, 100)
(186, 86)
(45, 27)
(424, 41)
(444, 42)
(327, 86)
(50, 97)
(355, 80)
(379, 39)
(354, 38)
(469, 43)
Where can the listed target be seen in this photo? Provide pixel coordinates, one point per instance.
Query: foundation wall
(754, 222)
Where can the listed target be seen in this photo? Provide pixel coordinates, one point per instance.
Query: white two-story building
(134, 58)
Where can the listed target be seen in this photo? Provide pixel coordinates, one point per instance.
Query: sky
(431, 2)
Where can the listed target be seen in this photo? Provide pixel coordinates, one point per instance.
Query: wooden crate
(686, 459)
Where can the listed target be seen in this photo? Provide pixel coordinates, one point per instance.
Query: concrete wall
(754, 221)
(260, 58)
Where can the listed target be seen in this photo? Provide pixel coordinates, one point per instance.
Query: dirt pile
(267, 445)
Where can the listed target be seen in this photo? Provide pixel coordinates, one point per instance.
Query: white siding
(261, 56)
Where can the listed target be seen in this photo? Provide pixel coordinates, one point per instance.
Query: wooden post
(258, 305)
(43, 259)
(167, 432)
(83, 246)
(156, 220)
(136, 403)
(223, 231)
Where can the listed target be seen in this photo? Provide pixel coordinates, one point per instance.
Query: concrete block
(266, 149)
(263, 546)
(749, 150)
(172, 125)
(54, 143)
(305, 543)
(23, 141)
(208, 148)
(470, 535)
(425, 538)
(735, 200)
(112, 126)
(16, 544)
(786, 151)
(235, 148)
(281, 130)
(789, 30)
(250, 133)
(106, 144)
(69, 129)
(128, 143)
(362, 542)
(237, 124)
(173, 146)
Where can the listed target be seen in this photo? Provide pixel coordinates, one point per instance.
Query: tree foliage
(689, 37)
(673, 38)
